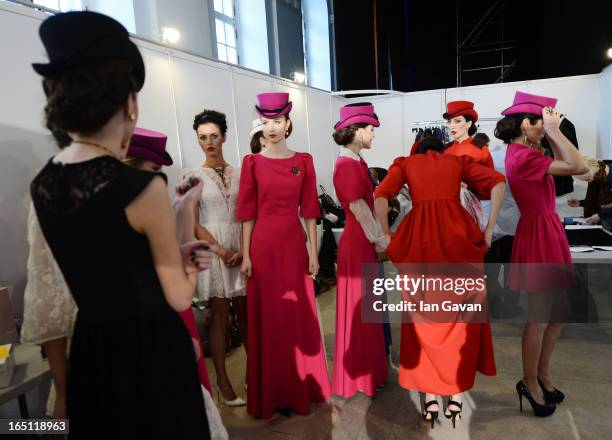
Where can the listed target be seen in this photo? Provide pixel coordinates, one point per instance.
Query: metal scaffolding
(501, 50)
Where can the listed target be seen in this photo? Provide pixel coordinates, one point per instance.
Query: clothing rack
(444, 121)
(439, 130)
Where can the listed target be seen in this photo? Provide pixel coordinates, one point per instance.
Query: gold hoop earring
(132, 117)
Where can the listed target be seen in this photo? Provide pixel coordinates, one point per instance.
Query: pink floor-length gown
(286, 365)
(360, 362)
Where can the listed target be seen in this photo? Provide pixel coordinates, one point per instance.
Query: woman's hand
(246, 267)
(574, 203)
(551, 120)
(382, 256)
(188, 192)
(234, 260)
(222, 253)
(388, 235)
(197, 256)
(313, 266)
(594, 219)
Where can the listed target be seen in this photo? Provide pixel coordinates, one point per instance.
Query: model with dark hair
(286, 367)
(540, 250)
(223, 286)
(462, 119)
(481, 140)
(360, 360)
(130, 352)
(440, 358)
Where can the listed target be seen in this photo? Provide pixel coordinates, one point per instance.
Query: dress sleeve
(530, 164)
(371, 227)
(49, 310)
(349, 184)
(309, 200)
(393, 182)
(247, 194)
(480, 179)
(488, 159)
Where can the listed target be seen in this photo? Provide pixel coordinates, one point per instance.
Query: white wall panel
(156, 105)
(321, 143)
(298, 140)
(604, 129)
(21, 88)
(420, 107)
(388, 142)
(579, 99)
(246, 87)
(198, 85)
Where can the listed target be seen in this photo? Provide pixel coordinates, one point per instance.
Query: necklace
(94, 144)
(221, 173)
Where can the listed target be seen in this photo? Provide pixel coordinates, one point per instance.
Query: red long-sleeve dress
(440, 358)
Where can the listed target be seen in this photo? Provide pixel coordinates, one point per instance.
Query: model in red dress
(462, 119)
(360, 362)
(540, 251)
(440, 358)
(286, 366)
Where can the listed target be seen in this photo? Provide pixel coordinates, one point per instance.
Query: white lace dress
(48, 308)
(49, 311)
(218, 216)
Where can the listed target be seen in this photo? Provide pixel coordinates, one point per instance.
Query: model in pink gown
(360, 362)
(286, 366)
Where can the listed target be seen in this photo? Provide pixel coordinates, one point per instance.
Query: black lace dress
(132, 370)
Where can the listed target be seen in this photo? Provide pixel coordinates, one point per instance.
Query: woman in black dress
(112, 232)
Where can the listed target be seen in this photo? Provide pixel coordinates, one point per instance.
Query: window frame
(225, 19)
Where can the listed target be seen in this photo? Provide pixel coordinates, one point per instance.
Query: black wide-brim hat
(81, 38)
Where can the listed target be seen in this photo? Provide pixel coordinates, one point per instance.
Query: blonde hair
(134, 162)
(593, 163)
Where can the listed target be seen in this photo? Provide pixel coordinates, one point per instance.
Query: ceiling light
(298, 77)
(170, 35)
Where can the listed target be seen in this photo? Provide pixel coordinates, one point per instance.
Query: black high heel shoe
(538, 410)
(430, 415)
(554, 396)
(454, 415)
(285, 411)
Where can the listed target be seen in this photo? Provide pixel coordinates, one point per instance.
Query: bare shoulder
(150, 201)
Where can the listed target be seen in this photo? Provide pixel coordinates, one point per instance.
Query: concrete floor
(582, 369)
